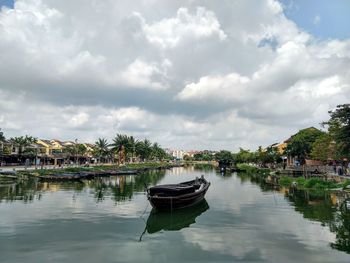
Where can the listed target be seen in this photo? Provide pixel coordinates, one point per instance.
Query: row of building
(43, 152)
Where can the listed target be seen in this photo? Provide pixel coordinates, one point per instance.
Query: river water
(110, 220)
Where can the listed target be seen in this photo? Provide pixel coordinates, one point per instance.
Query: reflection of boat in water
(175, 220)
(174, 196)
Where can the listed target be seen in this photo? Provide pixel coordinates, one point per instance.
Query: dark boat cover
(171, 190)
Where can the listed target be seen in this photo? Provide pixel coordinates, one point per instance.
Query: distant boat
(175, 196)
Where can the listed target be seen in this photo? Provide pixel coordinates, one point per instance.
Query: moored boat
(175, 196)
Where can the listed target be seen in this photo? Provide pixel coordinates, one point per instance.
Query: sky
(187, 74)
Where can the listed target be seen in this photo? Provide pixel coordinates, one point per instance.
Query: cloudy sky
(188, 74)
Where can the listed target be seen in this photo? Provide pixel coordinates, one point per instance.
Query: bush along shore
(273, 178)
(77, 173)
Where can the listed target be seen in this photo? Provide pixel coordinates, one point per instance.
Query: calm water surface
(109, 220)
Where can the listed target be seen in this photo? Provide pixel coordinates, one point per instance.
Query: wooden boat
(175, 196)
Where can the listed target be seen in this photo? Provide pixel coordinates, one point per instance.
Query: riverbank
(273, 177)
(90, 171)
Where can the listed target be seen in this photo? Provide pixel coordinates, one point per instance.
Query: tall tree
(101, 149)
(144, 149)
(132, 147)
(300, 144)
(24, 144)
(121, 142)
(339, 129)
(224, 158)
(323, 148)
(157, 152)
(243, 156)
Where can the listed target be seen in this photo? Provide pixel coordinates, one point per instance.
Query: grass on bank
(312, 183)
(98, 168)
(254, 170)
(301, 182)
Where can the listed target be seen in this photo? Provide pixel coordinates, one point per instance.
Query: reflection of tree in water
(322, 207)
(327, 208)
(21, 190)
(207, 167)
(315, 205)
(341, 226)
(120, 188)
(29, 190)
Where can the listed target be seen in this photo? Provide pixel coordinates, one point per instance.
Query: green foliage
(204, 156)
(345, 183)
(317, 183)
(101, 148)
(300, 181)
(339, 129)
(23, 143)
(123, 140)
(253, 170)
(243, 156)
(322, 148)
(285, 181)
(224, 158)
(144, 149)
(300, 144)
(157, 152)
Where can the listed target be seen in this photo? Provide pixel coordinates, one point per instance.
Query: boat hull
(180, 201)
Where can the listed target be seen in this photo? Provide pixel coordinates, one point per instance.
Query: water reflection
(103, 217)
(175, 220)
(328, 208)
(119, 188)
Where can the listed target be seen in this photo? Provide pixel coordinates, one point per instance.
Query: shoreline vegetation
(99, 170)
(272, 176)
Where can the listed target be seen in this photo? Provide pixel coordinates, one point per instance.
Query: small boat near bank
(175, 196)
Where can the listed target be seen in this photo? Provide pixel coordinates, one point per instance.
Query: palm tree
(157, 152)
(23, 143)
(81, 150)
(101, 149)
(132, 146)
(120, 142)
(144, 149)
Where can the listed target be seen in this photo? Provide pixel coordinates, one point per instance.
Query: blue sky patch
(322, 18)
(7, 3)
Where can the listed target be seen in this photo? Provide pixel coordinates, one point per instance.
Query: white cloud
(142, 74)
(228, 87)
(170, 32)
(188, 74)
(78, 119)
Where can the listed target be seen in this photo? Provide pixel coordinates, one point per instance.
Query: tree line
(128, 148)
(331, 144)
(123, 148)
